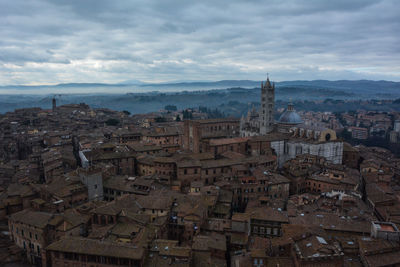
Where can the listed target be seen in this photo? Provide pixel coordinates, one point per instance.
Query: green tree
(345, 134)
(112, 122)
(171, 108)
(187, 115)
(160, 119)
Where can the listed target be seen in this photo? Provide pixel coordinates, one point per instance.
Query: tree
(187, 114)
(112, 122)
(346, 135)
(203, 109)
(171, 108)
(160, 119)
(178, 118)
(126, 112)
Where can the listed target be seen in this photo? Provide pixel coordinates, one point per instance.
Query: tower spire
(268, 83)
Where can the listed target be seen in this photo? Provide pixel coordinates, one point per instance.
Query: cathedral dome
(290, 116)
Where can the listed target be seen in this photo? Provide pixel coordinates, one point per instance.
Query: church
(290, 136)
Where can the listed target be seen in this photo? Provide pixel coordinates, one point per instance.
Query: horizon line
(144, 83)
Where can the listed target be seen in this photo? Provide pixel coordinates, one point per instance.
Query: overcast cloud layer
(63, 41)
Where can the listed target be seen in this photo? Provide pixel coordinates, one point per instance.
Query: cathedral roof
(290, 116)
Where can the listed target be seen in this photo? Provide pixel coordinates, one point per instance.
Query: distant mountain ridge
(232, 96)
(338, 84)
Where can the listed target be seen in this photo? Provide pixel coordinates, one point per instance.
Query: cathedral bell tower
(267, 107)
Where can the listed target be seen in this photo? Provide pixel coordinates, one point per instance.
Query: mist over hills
(136, 86)
(138, 97)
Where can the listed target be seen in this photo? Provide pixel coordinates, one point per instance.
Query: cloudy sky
(63, 41)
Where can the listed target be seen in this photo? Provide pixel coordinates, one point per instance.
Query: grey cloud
(106, 41)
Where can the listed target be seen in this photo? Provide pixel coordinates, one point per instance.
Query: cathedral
(290, 136)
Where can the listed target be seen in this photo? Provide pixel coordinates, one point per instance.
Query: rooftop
(96, 247)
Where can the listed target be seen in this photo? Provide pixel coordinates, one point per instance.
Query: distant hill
(359, 86)
(217, 84)
(363, 86)
(235, 94)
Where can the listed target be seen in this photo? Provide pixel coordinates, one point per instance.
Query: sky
(102, 41)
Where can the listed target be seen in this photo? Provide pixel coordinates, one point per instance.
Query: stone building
(93, 179)
(121, 156)
(266, 221)
(33, 230)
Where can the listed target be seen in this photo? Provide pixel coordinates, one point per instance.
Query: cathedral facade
(289, 135)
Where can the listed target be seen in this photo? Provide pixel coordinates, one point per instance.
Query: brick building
(196, 131)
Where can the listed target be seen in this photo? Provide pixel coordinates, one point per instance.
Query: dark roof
(219, 120)
(267, 214)
(34, 218)
(96, 247)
